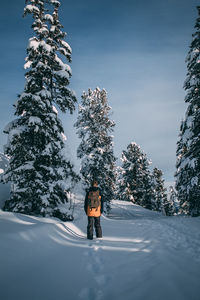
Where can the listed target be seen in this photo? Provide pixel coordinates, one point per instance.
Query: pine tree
(120, 184)
(94, 128)
(188, 146)
(39, 171)
(4, 161)
(159, 190)
(160, 201)
(135, 182)
(173, 199)
(167, 206)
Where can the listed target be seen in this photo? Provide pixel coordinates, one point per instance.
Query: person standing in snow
(93, 208)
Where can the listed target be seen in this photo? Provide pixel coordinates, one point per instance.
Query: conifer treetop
(46, 51)
(192, 82)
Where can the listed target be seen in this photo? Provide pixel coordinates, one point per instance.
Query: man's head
(94, 183)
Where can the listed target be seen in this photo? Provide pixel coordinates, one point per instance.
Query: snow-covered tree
(173, 199)
(167, 206)
(38, 169)
(161, 202)
(188, 146)
(159, 190)
(119, 184)
(135, 178)
(4, 161)
(94, 128)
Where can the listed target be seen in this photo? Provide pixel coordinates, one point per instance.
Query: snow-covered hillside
(142, 255)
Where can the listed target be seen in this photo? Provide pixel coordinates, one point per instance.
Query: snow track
(142, 255)
(96, 268)
(72, 232)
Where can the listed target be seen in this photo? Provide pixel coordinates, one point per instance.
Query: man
(93, 208)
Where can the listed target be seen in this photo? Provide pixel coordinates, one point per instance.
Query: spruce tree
(135, 182)
(161, 202)
(173, 199)
(120, 185)
(188, 146)
(159, 190)
(94, 128)
(4, 161)
(38, 169)
(167, 206)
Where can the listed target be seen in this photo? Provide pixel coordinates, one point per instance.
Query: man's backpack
(94, 199)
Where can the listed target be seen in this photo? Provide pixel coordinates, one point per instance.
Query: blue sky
(134, 49)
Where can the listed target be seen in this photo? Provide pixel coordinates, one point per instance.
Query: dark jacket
(93, 188)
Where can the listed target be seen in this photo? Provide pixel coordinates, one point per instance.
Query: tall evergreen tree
(135, 181)
(94, 128)
(159, 190)
(167, 206)
(161, 202)
(188, 146)
(4, 161)
(38, 169)
(173, 199)
(120, 194)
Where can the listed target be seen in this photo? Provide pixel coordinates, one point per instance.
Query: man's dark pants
(94, 222)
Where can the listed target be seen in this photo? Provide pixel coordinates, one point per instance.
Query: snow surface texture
(142, 255)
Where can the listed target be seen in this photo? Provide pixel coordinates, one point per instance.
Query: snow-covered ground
(142, 255)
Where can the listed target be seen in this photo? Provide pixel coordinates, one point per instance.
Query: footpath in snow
(142, 255)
